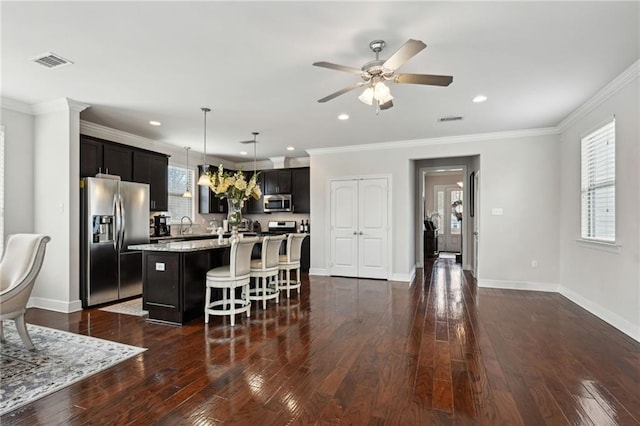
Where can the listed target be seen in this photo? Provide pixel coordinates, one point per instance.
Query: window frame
(178, 194)
(589, 185)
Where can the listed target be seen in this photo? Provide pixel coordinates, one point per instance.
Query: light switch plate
(496, 211)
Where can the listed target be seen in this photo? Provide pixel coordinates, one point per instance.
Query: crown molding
(602, 95)
(545, 131)
(15, 105)
(104, 132)
(60, 104)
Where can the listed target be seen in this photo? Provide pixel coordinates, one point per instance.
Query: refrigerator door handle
(122, 223)
(116, 220)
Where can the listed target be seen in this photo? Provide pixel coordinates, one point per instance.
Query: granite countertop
(197, 236)
(183, 246)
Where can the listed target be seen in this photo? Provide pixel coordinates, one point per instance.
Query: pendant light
(254, 150)
(254, 142)
(204, 179)
(187, 191)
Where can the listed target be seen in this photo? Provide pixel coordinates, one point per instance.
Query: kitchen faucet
(181, 224)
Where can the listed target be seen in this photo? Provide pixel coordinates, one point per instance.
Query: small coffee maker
(161, 225)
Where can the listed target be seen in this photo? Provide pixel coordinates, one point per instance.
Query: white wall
(519, 175)
(605, 282)
(19, 168)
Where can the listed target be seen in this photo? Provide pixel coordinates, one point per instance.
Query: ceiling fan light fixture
(367, 96)
(381, 90)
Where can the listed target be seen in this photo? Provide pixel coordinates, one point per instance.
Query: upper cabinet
(153, 169)
(208, 202)
(118, 160)
(131, 164)
(300, 190)
(253, 206)
(277, 181)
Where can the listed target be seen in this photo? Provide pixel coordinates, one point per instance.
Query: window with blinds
(599, 184)
(180, 178)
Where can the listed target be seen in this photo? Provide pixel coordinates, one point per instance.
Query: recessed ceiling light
(243, 152)
(343, 117)
(155, 123)
(290, 148)
(479, 98)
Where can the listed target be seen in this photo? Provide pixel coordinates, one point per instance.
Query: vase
(234, 214)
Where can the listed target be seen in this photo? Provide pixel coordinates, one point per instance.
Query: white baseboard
(55, 305)
(319, 271)
(611, 318)
(518, 285)
(404, 277)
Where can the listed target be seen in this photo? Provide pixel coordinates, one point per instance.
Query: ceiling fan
(376, 73)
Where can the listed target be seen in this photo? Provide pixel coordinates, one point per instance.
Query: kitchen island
(174, 275)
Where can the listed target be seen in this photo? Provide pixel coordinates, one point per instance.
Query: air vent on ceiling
(51, 60)
(450, 118)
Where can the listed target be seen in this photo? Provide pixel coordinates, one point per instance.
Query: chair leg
(264, 293)
(298, 281)
(247, 300)
(207, 300)
(1, 332)
(275, 279)
(232, 305)
(22, 331)
(288, 283)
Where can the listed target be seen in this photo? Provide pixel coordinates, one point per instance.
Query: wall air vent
(51, 60)
(450, 118)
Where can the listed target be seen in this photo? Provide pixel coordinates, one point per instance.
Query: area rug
(60, 359)
(130, 307)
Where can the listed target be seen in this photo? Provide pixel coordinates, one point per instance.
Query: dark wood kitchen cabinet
(131, 164)
(300, 188)
(118, 161)
(153, 169)
(208, 203)
(277, 181)
(253, 206)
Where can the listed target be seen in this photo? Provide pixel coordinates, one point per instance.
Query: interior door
(372, 228)
(448, 225)
(344, 228)
(359, 228)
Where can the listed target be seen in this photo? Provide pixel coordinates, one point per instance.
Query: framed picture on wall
(472, 194)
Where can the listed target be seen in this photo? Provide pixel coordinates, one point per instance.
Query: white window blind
(599, 184)
(180, 179)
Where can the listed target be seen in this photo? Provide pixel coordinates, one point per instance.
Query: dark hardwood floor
(361, 352)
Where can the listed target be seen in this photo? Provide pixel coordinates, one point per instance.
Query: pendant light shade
(204, 179)
(187, 191)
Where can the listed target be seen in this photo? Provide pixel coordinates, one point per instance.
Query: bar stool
(228, 278)
(291, 261)
(265, 271)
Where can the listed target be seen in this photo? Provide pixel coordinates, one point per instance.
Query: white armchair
(19, 267)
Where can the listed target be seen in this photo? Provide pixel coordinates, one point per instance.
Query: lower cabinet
(174, 284)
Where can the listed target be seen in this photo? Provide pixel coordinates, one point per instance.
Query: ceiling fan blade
(432, 80)
(338, 67)
(402, 55)
(341, 92)
(386, 105)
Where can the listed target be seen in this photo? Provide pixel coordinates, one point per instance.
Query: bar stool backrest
(294, 247)
(271, 251)
(240, 256)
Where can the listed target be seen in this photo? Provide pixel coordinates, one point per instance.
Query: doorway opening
(447, 200)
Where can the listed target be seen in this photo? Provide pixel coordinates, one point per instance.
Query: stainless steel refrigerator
(114, 215)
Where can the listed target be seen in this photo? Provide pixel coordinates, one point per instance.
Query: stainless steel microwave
(277, 203)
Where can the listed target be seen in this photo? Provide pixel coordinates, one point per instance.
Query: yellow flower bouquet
(235, 188)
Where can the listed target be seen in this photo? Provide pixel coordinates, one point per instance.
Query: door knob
(355, 233)
(360, 232)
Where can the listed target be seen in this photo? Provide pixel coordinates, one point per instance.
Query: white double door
(359, 228)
